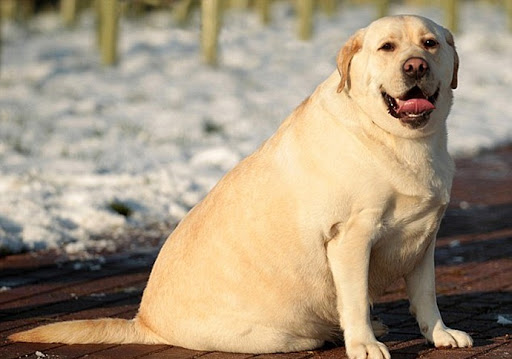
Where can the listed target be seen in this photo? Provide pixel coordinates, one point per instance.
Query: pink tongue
(415, 106)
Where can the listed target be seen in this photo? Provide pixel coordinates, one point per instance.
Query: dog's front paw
(446, 337)
(370, 350)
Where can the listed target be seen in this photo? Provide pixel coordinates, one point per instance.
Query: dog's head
(401, 71)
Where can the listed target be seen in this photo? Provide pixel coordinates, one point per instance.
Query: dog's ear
(351, 47)
(449, 40)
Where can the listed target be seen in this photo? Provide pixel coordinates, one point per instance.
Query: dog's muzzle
(413, 109)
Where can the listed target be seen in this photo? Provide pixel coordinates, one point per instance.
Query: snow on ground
(89, 154)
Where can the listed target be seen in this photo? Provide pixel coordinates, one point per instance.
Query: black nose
(415, 67)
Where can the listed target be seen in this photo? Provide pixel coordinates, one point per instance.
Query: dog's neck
(412, 152)
(416, 155)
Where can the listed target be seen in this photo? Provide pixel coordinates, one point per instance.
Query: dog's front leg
(422, 296)
(348, 253)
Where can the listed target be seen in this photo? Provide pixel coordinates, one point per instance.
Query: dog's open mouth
(412, 109)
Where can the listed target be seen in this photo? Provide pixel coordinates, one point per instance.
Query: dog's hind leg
(379, 328)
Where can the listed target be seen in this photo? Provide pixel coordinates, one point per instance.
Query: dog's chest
(415, 203)
(408, 227)
(410, 216)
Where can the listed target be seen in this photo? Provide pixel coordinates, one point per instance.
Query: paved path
(474, 284)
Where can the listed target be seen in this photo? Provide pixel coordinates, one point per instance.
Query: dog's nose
(415, 67)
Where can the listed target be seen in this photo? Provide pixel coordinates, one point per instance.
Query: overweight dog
(292, 246)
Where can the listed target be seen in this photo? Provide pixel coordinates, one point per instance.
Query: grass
(120, 208)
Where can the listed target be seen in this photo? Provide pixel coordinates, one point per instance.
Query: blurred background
(116, 117)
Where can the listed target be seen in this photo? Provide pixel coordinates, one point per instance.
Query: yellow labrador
(295, 243)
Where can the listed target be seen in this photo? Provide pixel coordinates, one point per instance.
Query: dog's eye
(388, 47)
(430, 43)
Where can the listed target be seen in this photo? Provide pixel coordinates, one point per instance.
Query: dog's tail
(96, 331)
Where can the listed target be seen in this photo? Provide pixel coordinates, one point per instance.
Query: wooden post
(1, 21)
(305, 13)
(210, 20)
(329, 6)
(68, 11)
(238, 4)
(382, 8)
(181, 11)
(108, 29)
(26, 9)
(8, 8)
(451, 14)
(263, 7)
(97, 23)
(508, 10)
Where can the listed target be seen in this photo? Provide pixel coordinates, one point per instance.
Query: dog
(291, 248)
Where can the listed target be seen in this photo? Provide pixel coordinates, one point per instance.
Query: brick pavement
(474, 284)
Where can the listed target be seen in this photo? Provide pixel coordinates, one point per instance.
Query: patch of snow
(464, 205)
(454, 244)
(158, 131)
(505, 319)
